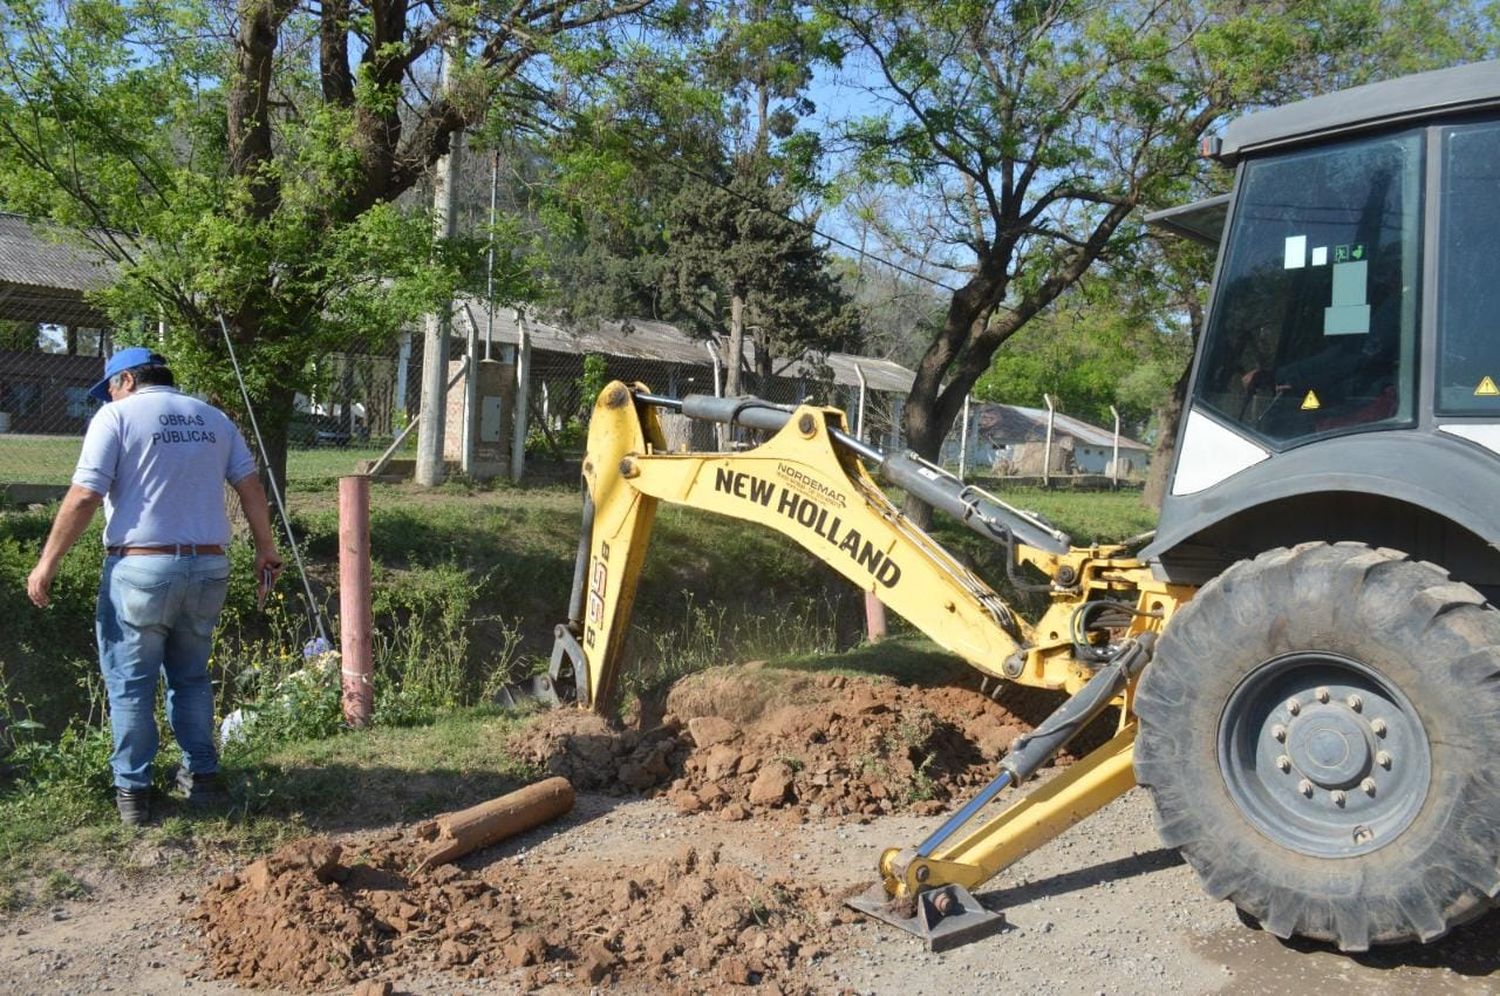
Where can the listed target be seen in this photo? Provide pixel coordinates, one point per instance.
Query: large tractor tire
(1318, 731)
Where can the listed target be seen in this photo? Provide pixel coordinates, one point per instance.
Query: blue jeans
(157, 614)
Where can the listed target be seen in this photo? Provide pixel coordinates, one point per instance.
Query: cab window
(1314, 329)
(1469, 272)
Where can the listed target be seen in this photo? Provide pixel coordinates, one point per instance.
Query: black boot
(201, 790)
(134, 806)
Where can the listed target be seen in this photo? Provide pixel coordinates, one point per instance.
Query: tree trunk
(274, 420)
(929, 413)
(1170, 417)
(736, 355)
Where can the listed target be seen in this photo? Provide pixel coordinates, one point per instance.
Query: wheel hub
(1323, 754)
(1331, 746)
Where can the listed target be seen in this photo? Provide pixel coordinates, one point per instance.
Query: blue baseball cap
(122, 360)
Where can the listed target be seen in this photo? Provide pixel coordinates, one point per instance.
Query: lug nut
(1339, 798)
(1383, 758)
(1355, 702)
(1284, 763)
(1378, 725)
(1305, 787)
(1321, 695)
(1279, 732)
(1293, 706)
(1368, 785)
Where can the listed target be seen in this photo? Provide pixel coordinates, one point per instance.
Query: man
(157, 460)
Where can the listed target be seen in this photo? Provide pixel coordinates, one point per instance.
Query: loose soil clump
(745, 741)
(319, 915)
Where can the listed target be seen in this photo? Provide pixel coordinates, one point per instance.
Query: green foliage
(264, 182)
(1091, 350)
(1019, 143)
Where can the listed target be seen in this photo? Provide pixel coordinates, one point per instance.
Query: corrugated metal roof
(36, 254)
(1004, 424)
(649, 340)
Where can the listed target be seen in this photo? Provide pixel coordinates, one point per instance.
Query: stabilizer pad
(943, 918)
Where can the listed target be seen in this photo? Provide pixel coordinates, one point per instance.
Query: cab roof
(1375, 105)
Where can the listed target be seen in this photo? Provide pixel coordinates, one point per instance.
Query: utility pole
(429, 471)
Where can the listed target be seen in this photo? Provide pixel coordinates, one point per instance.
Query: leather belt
(179, 549)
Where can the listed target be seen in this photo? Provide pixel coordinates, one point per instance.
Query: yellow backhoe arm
(809, 482)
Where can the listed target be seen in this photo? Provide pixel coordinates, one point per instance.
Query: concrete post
(1047, 455)
(1114, 462)
(523, 390)
(429, 469)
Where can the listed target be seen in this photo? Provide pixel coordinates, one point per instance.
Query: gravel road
(1103, 909)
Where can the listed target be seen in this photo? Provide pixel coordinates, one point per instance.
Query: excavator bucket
(942, 918)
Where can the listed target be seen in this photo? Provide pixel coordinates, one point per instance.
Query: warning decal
(1311, 402)
(1487, 388)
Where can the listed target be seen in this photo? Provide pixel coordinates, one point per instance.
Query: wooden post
(468, 830)
(355, 621)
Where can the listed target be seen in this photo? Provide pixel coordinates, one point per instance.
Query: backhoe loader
(1306, 656)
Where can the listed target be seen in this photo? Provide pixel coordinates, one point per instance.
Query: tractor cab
(1347, 384)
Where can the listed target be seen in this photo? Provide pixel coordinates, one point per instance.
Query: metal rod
(286, 522)
(953, 823)
(581, 564)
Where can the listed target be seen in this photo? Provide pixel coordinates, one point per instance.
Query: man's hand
(73, 517)
(267, 568)
(267, 560)
(39, 585)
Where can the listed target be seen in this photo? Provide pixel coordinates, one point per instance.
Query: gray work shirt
(160, 458)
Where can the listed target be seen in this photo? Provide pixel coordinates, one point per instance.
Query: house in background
(1011, 440)
(51, 338)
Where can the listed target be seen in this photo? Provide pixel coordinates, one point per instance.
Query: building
(1011, 439)
(51, 338)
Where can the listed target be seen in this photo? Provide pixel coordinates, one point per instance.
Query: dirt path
(1101, 910)
(773, 797)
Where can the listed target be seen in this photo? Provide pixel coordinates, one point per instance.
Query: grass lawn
(353, 781)
(50, 460)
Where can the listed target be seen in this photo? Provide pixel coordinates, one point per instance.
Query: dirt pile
(741, 741)
(319, 915)
(584, 749)
(863, 748)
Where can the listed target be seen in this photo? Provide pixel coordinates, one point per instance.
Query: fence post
(523, 392)
(1114, 462)
(859, 418)
(355, 621)
(1047, 456)
(963, 443)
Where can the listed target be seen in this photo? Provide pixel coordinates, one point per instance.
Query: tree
(246, 159)
(1099, 346)
(691, 213)
(1040, 127)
